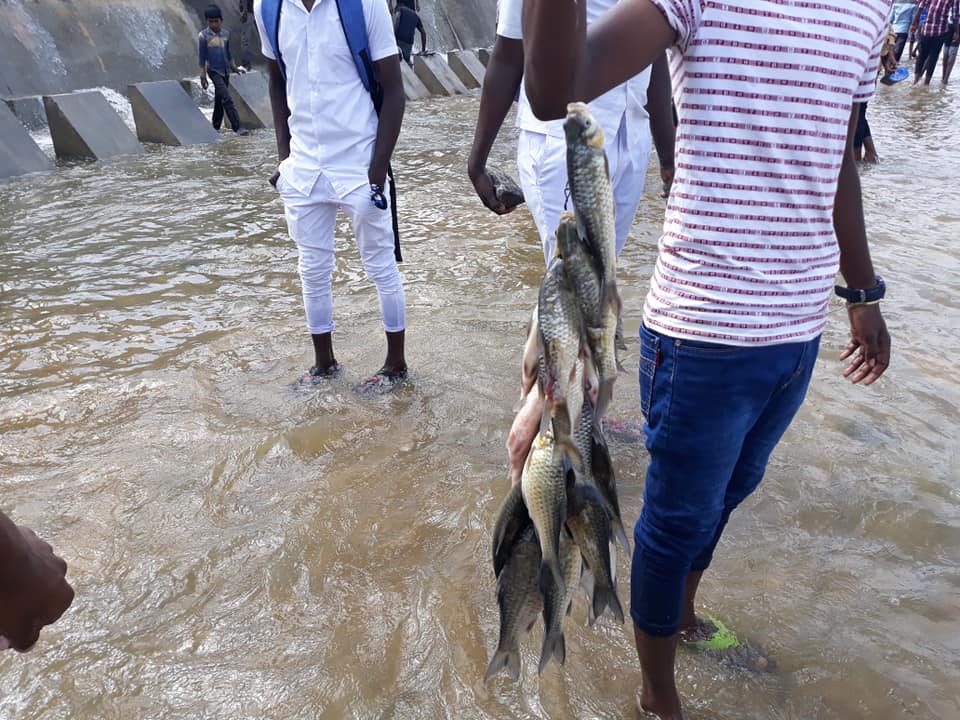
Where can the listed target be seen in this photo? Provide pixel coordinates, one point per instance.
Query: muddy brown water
(244, 550)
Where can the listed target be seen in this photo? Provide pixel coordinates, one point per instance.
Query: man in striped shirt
(765, 209)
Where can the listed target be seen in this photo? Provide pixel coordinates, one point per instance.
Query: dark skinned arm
(281, 114)
(564, 62)
(660, 109)
(500, 84)
(391, 117)
(868, 331)
(423, 36)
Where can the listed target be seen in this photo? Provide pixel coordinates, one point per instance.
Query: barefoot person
(765, 209)
(335, 144)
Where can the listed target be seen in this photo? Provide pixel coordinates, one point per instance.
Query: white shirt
(764, 91)
(333, 125)
(624, 102)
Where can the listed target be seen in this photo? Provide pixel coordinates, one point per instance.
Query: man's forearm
(855, 264)
(281, 113)
(660, 109)
(500, 84)
(391, 116)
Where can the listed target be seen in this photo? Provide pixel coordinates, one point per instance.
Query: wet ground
(242, 549)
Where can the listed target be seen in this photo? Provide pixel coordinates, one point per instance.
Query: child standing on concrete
(217, 64)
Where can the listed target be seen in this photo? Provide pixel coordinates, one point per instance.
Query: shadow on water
(245, 550)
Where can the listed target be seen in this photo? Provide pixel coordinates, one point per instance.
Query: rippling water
(241, 549)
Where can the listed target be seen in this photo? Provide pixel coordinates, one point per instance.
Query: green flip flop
(722, 638)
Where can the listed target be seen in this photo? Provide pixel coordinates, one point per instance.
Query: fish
(512, 521)
(532, 365)
(557, 602)
(592, 196)
(520, 602)
(605, 480)
(561, 342)
(590, 188)
(589, 524)
(544, 488)
(505, 187)
(581, 270)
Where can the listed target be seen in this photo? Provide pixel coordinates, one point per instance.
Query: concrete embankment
(55, 46)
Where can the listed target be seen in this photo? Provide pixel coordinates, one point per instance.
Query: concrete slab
(29, 110)
(483, 55)
(251, 95)
(437, 76)
(165, 114)
(413, 87)
(19, 154)
(467, 67)
(84, 125)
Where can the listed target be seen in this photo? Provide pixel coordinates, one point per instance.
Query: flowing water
(243, 549)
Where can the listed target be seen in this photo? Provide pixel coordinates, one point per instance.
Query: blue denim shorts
(713, 414)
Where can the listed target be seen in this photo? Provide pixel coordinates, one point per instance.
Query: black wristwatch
(870, 295)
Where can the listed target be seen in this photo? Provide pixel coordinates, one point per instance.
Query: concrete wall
(55, 46)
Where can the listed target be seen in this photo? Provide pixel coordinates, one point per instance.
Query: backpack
(355, 30)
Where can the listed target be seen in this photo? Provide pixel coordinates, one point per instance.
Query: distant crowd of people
(931, 28)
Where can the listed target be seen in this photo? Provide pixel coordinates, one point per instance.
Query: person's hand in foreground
(869, 348)
(33, 587)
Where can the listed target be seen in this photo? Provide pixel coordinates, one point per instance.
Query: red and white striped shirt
(764, 90)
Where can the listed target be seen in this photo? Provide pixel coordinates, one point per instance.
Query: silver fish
(592, 197)
(512, 520)
(589, 523)
(561, 341)
(544, 488)
(520, 601)
(581, 269)
(557, 602)
(603, 476)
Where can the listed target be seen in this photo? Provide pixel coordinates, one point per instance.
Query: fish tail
(606, 597)
(604, 397)
(508, 660)
(616, 525)
(553, 646)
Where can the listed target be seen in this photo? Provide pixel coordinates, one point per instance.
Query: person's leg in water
(755, 393)
(862, 140)
(373, 229)
(751, 465)
(217, 119)
(406, 52)
(949, 58)
(310, 221)
(222, 99)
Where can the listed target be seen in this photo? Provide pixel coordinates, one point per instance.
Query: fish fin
(587, 584)
(532, 352)
(604, 396)
(606, 597)
(616, 525)
(504, 659)
(553, 646)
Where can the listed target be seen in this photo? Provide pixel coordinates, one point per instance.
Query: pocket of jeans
(649, 359)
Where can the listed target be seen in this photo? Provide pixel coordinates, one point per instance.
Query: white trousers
(311, 220)
(542, 166)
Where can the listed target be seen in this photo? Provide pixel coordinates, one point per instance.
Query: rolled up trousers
(311, 220)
